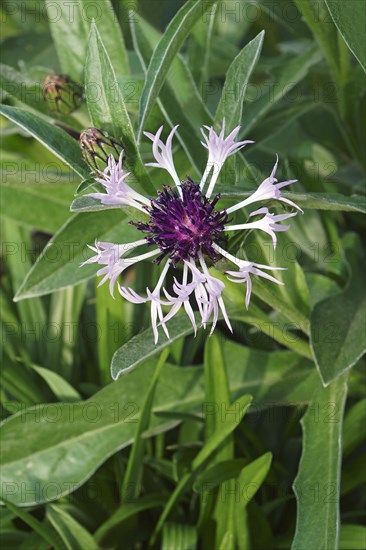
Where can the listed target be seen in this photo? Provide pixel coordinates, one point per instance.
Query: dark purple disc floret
(182, 227)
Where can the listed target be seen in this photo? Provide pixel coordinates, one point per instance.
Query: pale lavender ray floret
(118, 192)
(269, 223)
(185, 227)
(219, 149)
(182, 296)
(268, 189)
(155, 300)
(163, 153)
(112, 257)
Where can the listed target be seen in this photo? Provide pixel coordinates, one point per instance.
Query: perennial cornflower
(185, 228)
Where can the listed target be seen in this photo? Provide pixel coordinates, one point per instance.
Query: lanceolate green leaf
(250, 479)
(70, 24)
(142, 346)
(171, 42)
(317, 485)
(59, 386)
(107, 106)
(230, 106)
(56, 140)
(54, 441)
(338, 337)
(313, 201)
(252, 476)
(45, 531)
(350, 18)
(71, 532)
(179, 99)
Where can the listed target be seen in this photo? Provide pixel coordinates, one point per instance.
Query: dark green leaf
(171, 42)
(350, 18)
(55, 139)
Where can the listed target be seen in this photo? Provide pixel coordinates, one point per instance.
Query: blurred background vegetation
(78, 473)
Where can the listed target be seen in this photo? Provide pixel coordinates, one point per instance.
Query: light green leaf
(251, 478)
(60, 387)
(45, 531)
(352, 537)
(216, 407)
(108, 111)
(230, 107)
(55, 139)
(338, 337)
(249, 482)
(317, 485)
(350, 18)
(171, 42)
(179, 536)
(74, 535)
(37, 206)
(199, 46)
(216, 385)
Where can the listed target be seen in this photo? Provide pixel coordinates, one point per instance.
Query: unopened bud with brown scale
(97, 146)
(62, 93)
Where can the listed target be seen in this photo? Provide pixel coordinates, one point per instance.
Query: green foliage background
(251, 441)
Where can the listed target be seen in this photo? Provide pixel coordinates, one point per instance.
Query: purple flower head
(185, 228)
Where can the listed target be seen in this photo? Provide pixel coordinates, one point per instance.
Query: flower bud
(97, 146)
(62, 93)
